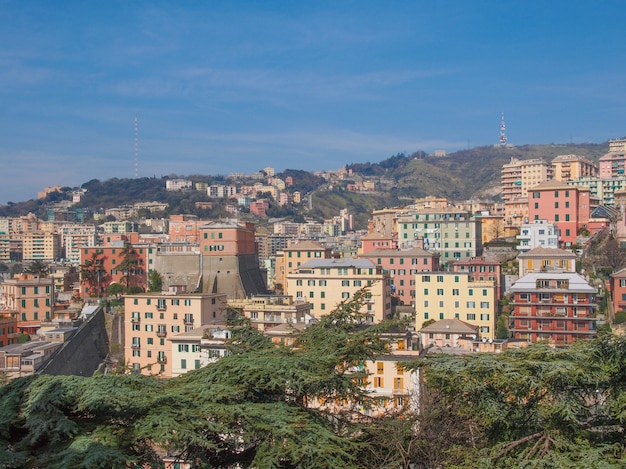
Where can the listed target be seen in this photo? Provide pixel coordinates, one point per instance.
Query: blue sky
(220, 87)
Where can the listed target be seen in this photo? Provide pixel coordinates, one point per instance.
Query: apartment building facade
(558, 307)
(519, 176)
(455, 234)
(566, 206)
(570, 167)
(402, 266)
(151, 318)
(538, 233)
(325, 283)
(31, 298)
(297, 253)
(451, 295)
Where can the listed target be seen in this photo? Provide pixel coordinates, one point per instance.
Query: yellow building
(451, 295)
(569, 167)
(519, 175)
(325, 283)
(40, 245)
(294, 256)
(150, 318)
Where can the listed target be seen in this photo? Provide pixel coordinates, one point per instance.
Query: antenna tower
(502, 132)
(136, 147)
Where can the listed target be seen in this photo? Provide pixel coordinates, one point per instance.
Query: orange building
(109, 259)
(31, 298)
(8, 329)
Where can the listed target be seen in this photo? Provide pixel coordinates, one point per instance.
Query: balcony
(161, 307)
(162, 359)
(134, 319)
(134, 345)
(161, 333)
(188, 320)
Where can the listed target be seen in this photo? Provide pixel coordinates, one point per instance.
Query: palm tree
(38, 268)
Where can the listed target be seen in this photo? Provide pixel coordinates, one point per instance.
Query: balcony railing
(161, 333)
(134, 345)
(134, 319)
(188, 320)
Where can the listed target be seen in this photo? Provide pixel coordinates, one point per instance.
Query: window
(440, 291)
(311, 283)
(567, 217)
(470, 304)
(484, 304)
(440, 278)
(440, 315)
(425, 291)
(380, 368)
(556, 205)
(455, 292)
(484, 317)
(471, 317)
(345, 283)
(345, 295)
(425, 278)
(183, 364)
(556, 217)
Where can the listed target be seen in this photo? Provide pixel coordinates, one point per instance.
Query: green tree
(155, 281)
(535, 407)
(130, 266)
(253, 408)
(502, 327)
(115, 289)
(38, 268)
(93, 274)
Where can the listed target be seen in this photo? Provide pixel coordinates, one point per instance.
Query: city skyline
(241, 86)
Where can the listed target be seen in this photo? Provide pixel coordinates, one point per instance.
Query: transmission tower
(136, 147)
(502, 132)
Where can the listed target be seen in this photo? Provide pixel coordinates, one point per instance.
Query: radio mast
(136, 147)
(502, 132)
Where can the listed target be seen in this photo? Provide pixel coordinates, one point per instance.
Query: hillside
(473, 173)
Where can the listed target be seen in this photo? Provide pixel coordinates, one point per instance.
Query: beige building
(452, 295)
(569, 167)
(520, 175)
(543, 259)
(268, 311)
(40, 245)
(151, 318)
(292, 257)
(198, 347)
(325, 283)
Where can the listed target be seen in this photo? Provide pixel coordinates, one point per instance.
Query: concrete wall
(83, 353)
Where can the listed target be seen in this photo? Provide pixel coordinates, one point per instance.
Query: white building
(538, 233)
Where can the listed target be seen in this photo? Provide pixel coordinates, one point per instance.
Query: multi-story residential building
(559, 307)
(32, 298)
(617, 144)
(402, 266)
(73, 236)
(230, 261)
(178, 184)
(109, 259)
(516, 212)
(17, 360)
(452, 295)
(566, 206)
(618, 290)
(268, 311)
(383, 221)
(569, 167)
(184, 228)
(5, 247)
(8, 328)
(454, 233)
(298, 253)
(198, 347)
(40, 245)
(538, 233)
(122, 227)
(519, 176)
(481, 268)
(612, 164)
(325, 283)
(221, 191)
(542, 259)
(374, 241)
(601, 191)
(151, 318)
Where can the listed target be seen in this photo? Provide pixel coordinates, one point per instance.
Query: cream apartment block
(569, 167)
(519, 175)
(454, 233)
(40, 245)
(325, 283)
(451, 295)
(292, 257)
(198, 347)
(151, 318)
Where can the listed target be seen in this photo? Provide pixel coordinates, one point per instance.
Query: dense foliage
(538, 407)
(252, 408)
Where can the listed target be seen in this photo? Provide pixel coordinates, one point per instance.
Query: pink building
(403, 266)
(612, 164)
(259, 207)
(568, 207)
(373, 241)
